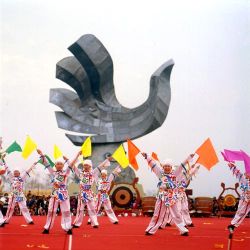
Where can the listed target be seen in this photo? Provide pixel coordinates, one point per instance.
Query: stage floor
(208, 233)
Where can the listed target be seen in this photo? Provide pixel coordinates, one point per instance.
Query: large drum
(122, 197)
(230, 200)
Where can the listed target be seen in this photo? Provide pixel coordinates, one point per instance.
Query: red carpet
(208, 233)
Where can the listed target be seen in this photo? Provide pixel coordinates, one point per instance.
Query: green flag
(51, 163)
(14, 147)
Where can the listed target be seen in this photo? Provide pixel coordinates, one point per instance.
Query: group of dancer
(171, 205)
(88, 176)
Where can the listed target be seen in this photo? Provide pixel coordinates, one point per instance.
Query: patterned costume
(17, 196)
(86, 195)
(182, 202)
(244, 204)
(103, 197)
(59, 195)
(166, 198)
(2, 200)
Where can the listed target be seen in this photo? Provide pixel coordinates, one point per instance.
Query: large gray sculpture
(93, 108)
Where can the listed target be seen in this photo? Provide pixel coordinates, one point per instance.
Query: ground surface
(208, 233)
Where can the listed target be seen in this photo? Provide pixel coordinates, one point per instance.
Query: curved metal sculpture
(93, 108)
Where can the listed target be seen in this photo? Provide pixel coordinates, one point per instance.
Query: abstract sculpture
(93, 108)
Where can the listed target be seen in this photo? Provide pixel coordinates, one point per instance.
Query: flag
(246, 159)
(86, 148)
(120, 156)
(207, 155)
(57, 152)
(51, 163)
(236, 155)
(155, 156)
(233, 155)
(133, 151)
(14, 147)
(29, 147)
(224, 156)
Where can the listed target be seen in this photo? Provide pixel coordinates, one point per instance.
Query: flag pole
(230, 237)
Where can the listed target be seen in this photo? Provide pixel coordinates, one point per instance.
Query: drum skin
(122, 197)
(229, 200)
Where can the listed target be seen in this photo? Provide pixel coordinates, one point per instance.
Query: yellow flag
(120, 156)
(57, 152)
(28, 147)
(86, 148)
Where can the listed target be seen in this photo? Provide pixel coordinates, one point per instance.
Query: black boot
(231, 228)
(45, 231)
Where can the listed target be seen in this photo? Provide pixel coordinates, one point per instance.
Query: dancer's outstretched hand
(230, 164)
(65, 158)
(39, 152)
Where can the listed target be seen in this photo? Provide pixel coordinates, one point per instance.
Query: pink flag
(246, 159)
(224, 156)
(232, 155)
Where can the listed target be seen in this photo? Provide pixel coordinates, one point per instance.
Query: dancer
(104, 184)
(167, 195)
(59, 193)
(182, 202)
(244, 204)
(86, 196)
(2, 201)
(17, 196)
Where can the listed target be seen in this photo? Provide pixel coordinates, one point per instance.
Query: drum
(229, 200)
(122, 197)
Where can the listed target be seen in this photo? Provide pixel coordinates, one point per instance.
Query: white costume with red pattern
(166, 198)
(86, 195)
(244, 204)
(103, 197)
(17, 196)
(59, 195)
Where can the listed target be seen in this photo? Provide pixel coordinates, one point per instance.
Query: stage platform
(208, 233)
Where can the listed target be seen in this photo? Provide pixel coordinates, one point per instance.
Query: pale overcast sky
(208, 40)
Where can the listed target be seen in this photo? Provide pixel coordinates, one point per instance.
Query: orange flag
(207, 155)
(133, 151)
(155, 156)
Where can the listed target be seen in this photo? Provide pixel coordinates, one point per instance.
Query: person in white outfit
(59, 194)
(87, 177)
(103, 186)
(17, 196)
(2, 201)
(167, 195)
(244, 204)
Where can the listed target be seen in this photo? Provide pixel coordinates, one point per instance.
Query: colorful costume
(244, 204)
(59, 195)
(2, 200)
(86, 195)
(182, 201)
(166, 198)
(17, 196)
(103, 197)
